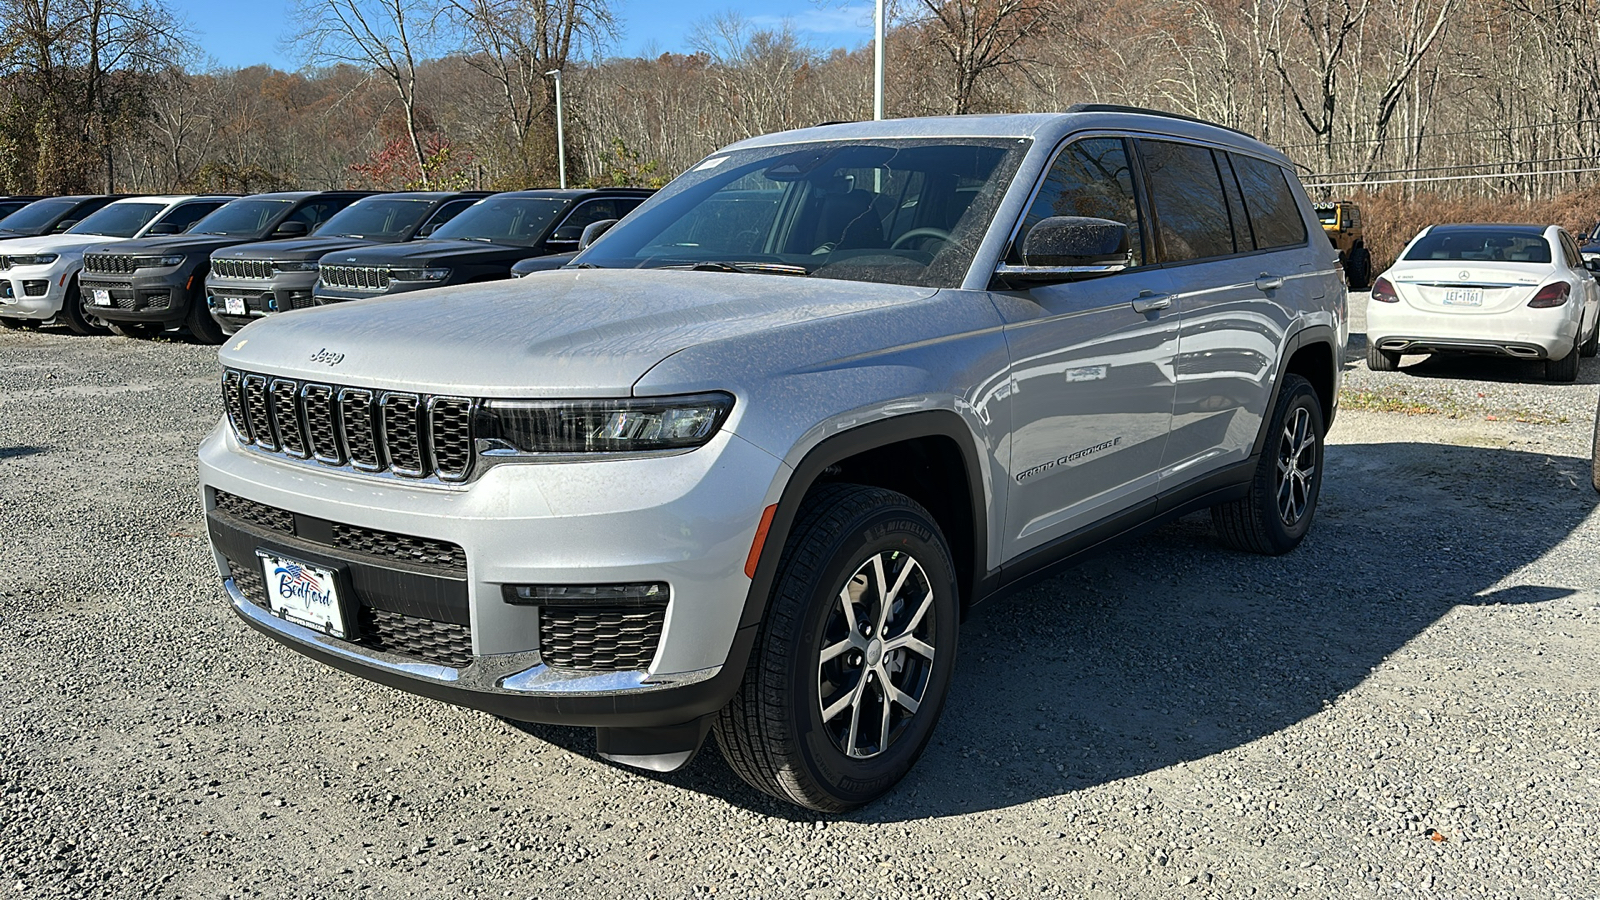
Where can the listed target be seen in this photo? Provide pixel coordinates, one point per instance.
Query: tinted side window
(1570, 251)
(187, 214)
(582, 217)
(1274, 215)
(450, 211)
(1243, 240)
(1089, 178)
(1186, 192)
(316, 212)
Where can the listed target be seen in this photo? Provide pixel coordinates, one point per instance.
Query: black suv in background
(254, 280)
(10, 204)
(52, 215)
(481, 244)
(142, 287)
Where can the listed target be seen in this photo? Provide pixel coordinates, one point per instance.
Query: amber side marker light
(761, 539)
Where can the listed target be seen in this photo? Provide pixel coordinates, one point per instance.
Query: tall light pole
(561, 136)
(877, 60)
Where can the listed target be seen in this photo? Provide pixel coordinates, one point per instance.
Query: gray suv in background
(744, 465)
(255, 280)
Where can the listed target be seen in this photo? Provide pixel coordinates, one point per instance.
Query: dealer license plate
(235, 305)
(1463, 297)
(303, 593)
(102, 297)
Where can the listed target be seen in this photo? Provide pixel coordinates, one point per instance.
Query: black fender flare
(1305, 337)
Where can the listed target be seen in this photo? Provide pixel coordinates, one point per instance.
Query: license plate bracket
(102, 297)
(233, 306)
(1463, 297)
(306, 593)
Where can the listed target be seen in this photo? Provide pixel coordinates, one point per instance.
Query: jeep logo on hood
(325, 356)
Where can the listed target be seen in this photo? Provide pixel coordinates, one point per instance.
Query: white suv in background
(39, 275)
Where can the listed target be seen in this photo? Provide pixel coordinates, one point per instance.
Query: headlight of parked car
(32, 259)
(291, 265)
(158, 262)
(418, 274)
(626, 425)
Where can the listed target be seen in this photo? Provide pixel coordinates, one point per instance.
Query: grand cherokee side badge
(323, 356)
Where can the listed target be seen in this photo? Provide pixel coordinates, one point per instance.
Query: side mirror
(566, 234)
(161, 228)
(63, 225)
(427, 229)
(592, 232)
(1592, 263)
(1068, 248)
(292, 229)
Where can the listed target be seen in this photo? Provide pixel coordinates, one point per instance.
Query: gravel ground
(1405, 706)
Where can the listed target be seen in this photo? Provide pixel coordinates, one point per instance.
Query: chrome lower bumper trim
(511, 674)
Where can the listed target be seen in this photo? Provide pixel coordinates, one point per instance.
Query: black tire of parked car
(203, 326)
(73, 314)
(1594, 452)
(136, 329)
(1382, 360)
(18, 323)
(1591, 346)
(772, 732)
(1565, 369)
(1258, 522)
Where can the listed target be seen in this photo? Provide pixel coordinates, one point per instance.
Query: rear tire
(136, 329)
(1382, 360)
(1565, 369)
(73, 315)
(1591, 346)
(831, 714)
(1275, 515)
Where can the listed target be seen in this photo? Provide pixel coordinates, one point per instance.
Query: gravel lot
(1405, 706)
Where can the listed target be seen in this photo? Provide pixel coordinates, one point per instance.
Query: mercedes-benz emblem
(1464, 275)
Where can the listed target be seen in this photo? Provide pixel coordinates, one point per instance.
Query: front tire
(1591, 346)
(203, 326)
(1275, 515)
(855, 655)
(72, 313)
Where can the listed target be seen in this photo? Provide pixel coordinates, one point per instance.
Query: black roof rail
(1117, 108)
(835, 122)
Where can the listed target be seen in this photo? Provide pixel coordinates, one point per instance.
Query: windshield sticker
(711, 163)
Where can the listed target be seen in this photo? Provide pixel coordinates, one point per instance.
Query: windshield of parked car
(37, 215)
(241, 218)
(898, 211)
(1481, 245)
(376, 219)
(118, 219)
(519, 221)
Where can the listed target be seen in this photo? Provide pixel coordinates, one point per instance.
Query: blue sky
(235, 34)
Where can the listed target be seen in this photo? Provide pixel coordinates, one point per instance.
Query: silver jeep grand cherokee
(744, 465)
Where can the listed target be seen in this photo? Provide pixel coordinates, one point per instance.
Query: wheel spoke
(912, 643)
(883, 718)
(888, 599)
(922, 610)
(906, 701)
(849, 604)
(855, 722)
(833, 651)
(839, 706)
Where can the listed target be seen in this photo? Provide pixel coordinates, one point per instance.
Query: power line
(1334, 184)
(1413, 169)
(1437, 134)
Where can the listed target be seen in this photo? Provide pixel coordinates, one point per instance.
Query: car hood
(427, 254)
(567, 333)
(58, 243)
(298, 249)
(181, 243)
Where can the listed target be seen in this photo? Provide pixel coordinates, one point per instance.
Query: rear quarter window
(1274, 215)
(1186, 191)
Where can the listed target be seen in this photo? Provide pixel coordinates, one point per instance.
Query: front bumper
(1523, 333)
(34, 292)
(260, 298)
(162, 296)
(687, 520)
(325, 294)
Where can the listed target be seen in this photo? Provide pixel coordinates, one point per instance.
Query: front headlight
(628, 425)
(295, 265)
(418, 274)
(158, 262)
(33, 259)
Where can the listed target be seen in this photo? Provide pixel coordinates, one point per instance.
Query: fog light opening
(612, 595)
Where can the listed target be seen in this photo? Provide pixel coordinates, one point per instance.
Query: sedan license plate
(102, 297)
(1463, 297)
(234, 305)
(303, 593)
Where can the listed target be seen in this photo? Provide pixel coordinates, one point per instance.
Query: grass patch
(1386, 401)
(1398, 401)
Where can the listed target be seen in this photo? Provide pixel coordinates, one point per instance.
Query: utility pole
(877, 60)
(561, 137)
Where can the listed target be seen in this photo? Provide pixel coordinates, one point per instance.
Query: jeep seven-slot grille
(109, 263)
(412, 435)
(241, 268)
(572, 637)
(358, 278)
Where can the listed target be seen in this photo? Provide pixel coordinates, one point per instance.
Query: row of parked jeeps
(213, 263)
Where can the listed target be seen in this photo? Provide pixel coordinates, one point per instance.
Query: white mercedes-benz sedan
(1506, 290)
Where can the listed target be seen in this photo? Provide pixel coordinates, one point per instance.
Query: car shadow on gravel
(1169, 648)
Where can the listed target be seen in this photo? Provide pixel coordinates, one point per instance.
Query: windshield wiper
(750, 268)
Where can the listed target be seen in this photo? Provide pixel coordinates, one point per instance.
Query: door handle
(1269, 282)
(1150, 301)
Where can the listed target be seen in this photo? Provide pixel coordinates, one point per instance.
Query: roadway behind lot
(1405, 706)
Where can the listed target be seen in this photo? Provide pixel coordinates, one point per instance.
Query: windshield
(36, 216)
(503, 220)
(376, 219)
(1327, 215)
(896, 211)
(1481, 244)
(118, 219)
(241, 217)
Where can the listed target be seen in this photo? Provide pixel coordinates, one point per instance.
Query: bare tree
(982, 37)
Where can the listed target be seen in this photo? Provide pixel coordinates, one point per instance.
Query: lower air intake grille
(256, 513)
(436, 642)
(602, 639)
(420, 551)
